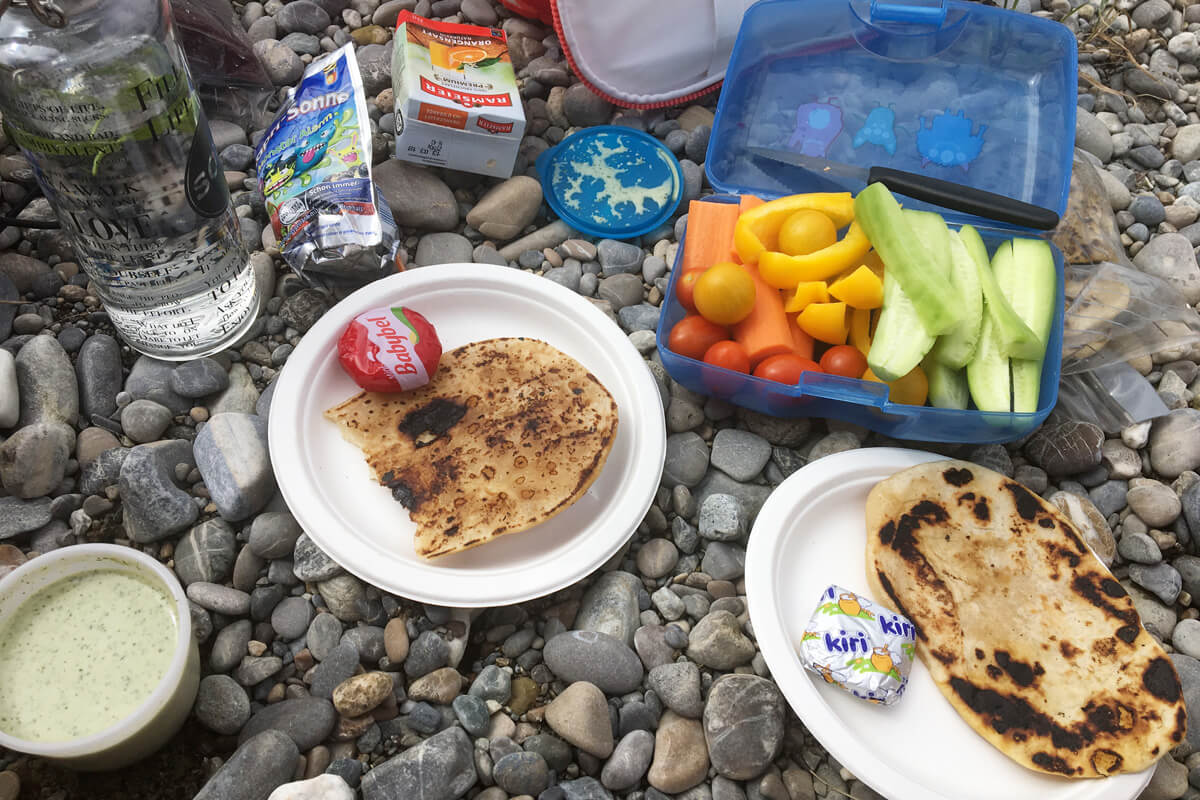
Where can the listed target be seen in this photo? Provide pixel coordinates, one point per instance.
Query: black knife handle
(964, 198)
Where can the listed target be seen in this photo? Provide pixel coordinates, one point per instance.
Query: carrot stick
(803, 343)
(766, 332)
(748, 202)
(709, 236)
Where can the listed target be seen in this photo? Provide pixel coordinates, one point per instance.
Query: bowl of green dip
(98, 665)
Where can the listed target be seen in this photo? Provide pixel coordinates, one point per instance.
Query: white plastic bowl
(163, 711)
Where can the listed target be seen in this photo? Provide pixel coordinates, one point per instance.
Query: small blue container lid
(611, 181)
(954, 90)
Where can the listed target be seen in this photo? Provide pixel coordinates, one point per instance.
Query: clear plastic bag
(1119, 313)
(230, 80)
(1114, 397)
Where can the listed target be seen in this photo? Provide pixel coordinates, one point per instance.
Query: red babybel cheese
(390, 350)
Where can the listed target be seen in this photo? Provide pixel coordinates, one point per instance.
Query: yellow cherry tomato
(806, 231)
(911, 390)
(724, 293)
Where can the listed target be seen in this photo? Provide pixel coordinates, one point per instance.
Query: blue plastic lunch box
(963, 92)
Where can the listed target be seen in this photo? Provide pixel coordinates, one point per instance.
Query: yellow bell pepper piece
(807, 292)
(860, 329)
(910, 390)
(757, 231)
(784, 272)
(875, 263)
(860, 289)
(825, 322)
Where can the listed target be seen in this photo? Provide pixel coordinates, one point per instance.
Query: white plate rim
(834, 734)
(645, 421)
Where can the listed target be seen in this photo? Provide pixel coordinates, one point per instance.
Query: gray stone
(281, 63)
(274, 534)
(291, 617)
(751, 495)
(307, 721)
(221, 705)
(585, 789)
(1148, 210)
(230, 645)
(8, 309)
(150, 379)
(492, 683)
(621, 290)
(440, 768)
(1092, 136)
(1188, 567)
(1170, 256)
(442, 248)
(584, 108)
(253, 670)
(1154, 503)
(1156, 618)
(304, 16)
(256, 769)
(555, 751)
(302, 309)
(33, 460)
(1139, 547)
(1188, 670)
(640, 317)
(310, 563)
(657, 557)
(743, 725)
(521, 773)
(222, 599)
(368, 641)
(617, 257)
(154, 508)
(594, 657)
(198, 378)
(231, 454)
(507, 208)
(678, 685)
(1109, 497)
(1186, 637)
(98, 374)
(338, 665)
(610, 606)
(375, 64)
(10, 390)
(1175, 443)
(1161, 580)
(740, 454)
(724, 562)
(145, 420)
(428, 652)
(416, 196)
(629, 761)
(1067, 448)
(324, 634)
(20, 516)
(240, 397)
(49, 390)
(1151, 13)
(344, 596)
(206, 553)
(302, 44)
(717, 641)
(569, 276)
(472, 712)
(1186, 144)
(686, 460)
(1169, 781)
(722, 518)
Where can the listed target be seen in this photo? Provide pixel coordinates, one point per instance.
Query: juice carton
(457, 103)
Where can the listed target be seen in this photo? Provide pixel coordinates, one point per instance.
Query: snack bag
(314, 169)
(859, 646)
(457, 103)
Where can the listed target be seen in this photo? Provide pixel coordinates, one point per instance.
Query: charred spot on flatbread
(1026, 633)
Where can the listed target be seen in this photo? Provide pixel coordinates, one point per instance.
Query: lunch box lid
(954, 90)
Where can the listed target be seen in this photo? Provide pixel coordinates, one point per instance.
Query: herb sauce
(82, 654)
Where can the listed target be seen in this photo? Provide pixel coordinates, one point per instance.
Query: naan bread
(1024, 630)
(507, 434)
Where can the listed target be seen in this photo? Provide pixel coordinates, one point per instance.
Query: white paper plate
(810, 533)
(331, 491)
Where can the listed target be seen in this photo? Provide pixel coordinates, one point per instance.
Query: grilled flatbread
(1024, 630)
(507, 434)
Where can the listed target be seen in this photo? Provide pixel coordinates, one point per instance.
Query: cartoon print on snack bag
(847, 603)
(827, 674)
(311, 149)
(909, 649)
(879, 128)
(948, 141)
(879, 660)
(817, 125)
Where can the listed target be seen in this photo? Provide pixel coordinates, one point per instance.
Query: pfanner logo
(492, 126)
(465, 99)
(318, 103)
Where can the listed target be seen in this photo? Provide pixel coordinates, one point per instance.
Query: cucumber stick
(1016, 338)
(947, 385)
(1025, 271)
(931, 229)
(988, 377)
(900, 340)
(907, 258)
(956, 346)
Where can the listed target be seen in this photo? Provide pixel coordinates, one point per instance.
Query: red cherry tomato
(785, 368)
(693, 335)
(728, 354)
(845, 360)
(685, 288)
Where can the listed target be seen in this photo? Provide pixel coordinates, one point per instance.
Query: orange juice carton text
(457, 103)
